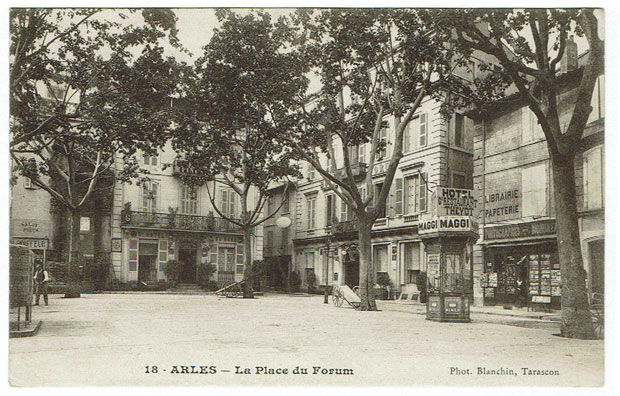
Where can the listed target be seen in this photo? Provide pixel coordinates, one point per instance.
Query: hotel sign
(455, 201)
(531, 229)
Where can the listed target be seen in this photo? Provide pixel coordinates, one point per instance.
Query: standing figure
(40, 280)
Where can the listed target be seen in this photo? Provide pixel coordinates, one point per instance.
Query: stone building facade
(161, 219)
(516, 256)
(437, 152)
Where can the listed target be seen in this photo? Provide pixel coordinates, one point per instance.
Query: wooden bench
(542, 302)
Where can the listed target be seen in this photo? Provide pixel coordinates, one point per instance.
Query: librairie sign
(446, 224)
(455, 201)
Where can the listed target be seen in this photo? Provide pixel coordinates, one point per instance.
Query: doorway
(596, 251)
(187, 259)
(352, 267)
(147, 260)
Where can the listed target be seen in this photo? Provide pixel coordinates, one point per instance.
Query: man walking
(40, 280)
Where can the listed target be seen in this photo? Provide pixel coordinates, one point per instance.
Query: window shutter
(155, 195)
(224, 202)
(398, 204)
(133, 255)
(423, 193)
(145, 197)
(406, 138)
(354, 155)
(240, 258)
(232, 198)
(163, 254)
(423, 129)
(391, 201)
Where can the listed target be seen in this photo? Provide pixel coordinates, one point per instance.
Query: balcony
(358, 169)
(133, 218)
(179, 170)
(344, 228)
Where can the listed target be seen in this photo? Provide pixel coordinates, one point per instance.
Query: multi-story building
(278, 235)
(40, 222)
(513, 183)
(437, 152)
(162, 219)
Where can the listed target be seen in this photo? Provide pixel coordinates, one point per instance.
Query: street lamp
(327, 254)
(284, 222)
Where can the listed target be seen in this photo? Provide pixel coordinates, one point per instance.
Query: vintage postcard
(306, 197)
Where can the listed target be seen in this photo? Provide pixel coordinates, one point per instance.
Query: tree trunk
(576, 320)
(248, 276)
(101, 271)
(73, 253)
(367, 281)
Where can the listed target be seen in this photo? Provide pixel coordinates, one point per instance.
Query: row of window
(188, 199)
(270, 241)
(409, 195)
(411, 258)
(414, 138)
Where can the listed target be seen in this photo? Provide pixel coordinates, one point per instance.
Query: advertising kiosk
(448, 241)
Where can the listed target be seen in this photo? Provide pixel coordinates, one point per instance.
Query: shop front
(146, 254)
(521, 265)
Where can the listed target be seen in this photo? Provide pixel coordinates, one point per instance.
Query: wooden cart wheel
(356, 290)
(338, 298)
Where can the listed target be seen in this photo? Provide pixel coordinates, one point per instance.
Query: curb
(27, 332)
(546, 318)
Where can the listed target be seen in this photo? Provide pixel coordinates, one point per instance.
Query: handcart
(343, 293)
(231, 289)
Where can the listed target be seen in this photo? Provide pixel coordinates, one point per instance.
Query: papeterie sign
(446, 224)
(503, 204)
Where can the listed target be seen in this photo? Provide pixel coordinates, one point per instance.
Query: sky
(196, 27)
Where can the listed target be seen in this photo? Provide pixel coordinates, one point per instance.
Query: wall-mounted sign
(534, 228)
(117, 244)
(455, 201)
(31, 228)
(380, 169)
(503, 204)
(446, 224)
(32, 243)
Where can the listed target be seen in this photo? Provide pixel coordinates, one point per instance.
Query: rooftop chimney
(569, 60)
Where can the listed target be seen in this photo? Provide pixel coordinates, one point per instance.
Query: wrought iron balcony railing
(344, 227)
(176, 221)
(357, 169)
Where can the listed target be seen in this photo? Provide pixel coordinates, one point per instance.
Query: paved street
(109, 339)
